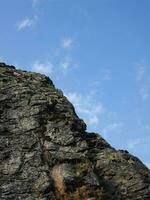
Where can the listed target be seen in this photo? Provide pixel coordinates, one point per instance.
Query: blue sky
(97, 52)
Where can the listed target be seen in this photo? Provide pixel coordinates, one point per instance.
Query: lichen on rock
(46, 153)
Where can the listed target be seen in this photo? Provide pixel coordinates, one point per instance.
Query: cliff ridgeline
(46, 153)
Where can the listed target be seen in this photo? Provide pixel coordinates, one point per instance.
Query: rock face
(46, 153)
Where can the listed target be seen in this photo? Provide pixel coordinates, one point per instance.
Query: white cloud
(112, 127)
(144, 91)
(133, 144)
(140, 72)
(107, 75)
(96, 83)
(43, 67)
(142, 78)
(93, 120)
(87, 107)
(35, 1)
(1, 59)
(67, 43)
(26, 23)
(67, 63)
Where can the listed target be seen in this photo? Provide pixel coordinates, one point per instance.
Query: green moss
(2, 69)
(114, 156)
(131, 161)
(82, 167)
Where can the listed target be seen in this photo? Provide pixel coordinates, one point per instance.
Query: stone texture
(46, 153)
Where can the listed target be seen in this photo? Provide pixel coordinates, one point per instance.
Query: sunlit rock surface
(46, 153)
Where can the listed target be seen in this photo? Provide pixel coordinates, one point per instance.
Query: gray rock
(46, 153)
(91, 178)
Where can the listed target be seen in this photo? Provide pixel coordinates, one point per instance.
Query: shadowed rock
(46, 153)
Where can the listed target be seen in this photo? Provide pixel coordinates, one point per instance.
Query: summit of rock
(46, 153)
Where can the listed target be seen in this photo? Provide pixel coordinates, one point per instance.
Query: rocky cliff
(46, 153)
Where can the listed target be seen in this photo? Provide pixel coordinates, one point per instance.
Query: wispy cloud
(67, 61)
(86, 107)
(134, 143)
(107, 75)
(67, 43)
(67, 64)
(1, 59)
(34, 2)
(140, 72)
(26, 23)
(45, 67)
(111, 128)
(143, 80)
(144, 91)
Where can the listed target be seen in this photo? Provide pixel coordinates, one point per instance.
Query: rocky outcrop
(46, 153)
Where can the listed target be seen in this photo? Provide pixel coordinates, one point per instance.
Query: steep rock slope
(46, 153)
